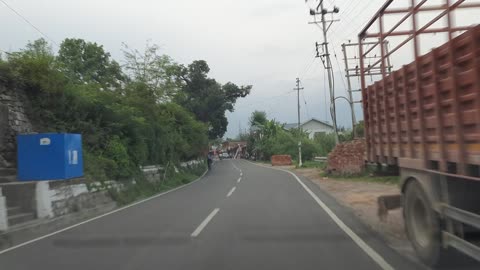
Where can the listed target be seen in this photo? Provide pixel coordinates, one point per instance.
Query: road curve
(239, 216)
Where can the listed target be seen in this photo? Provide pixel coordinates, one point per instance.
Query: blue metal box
(49, 156)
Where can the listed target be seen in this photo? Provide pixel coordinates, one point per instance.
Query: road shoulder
(347, 215)
(44, 228)
(360, 199)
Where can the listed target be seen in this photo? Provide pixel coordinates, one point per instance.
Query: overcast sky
(265, 43)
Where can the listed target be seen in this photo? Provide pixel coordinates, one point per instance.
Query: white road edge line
(98, 217)
(236, 168)
(231, 191)
(239, 179)
(205, 222)
(364, 246)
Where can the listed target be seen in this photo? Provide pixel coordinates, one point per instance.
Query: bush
(98, 168)
(143, 188)
(122, 124)
(325, 143)
(360, 129)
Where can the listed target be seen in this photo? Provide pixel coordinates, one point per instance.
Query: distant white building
(312, 126)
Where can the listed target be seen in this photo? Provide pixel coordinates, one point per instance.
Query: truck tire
(422, 224)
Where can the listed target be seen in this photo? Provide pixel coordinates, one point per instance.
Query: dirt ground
(361, 197)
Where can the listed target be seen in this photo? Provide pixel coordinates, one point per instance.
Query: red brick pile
(347, 158)
(281, 160)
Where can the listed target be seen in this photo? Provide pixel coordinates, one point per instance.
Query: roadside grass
(366, 177)
(312, 164)
(142, 188)
(263, 161)
(369, 175)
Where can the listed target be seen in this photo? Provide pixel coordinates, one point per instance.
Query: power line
(264, 101)
(311, 71)
(339, 69)
(305, 101)
(346, 14)
(308, 64)
(304, 73)
(338, 39)
(306, 106)
(28, 22)
(364, 9)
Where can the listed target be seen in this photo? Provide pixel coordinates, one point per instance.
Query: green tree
(154, 70)
(87, 62)
(36, 68)
(207, 99)
(133, 124)
(325, 143)
(258, 118)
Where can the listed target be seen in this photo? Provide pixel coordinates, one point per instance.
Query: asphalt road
(239, 216)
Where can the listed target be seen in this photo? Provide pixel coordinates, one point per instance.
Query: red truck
(424, 119)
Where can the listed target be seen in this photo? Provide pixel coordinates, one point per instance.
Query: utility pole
(298, 88)
(355, 72)
(350, 96)
(327, 62)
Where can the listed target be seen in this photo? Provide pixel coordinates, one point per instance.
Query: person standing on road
(209, 160)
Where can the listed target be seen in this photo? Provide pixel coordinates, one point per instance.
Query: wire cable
(339, 69)
(307, 65)
(306, 106)
(28, 22)
(264, 101)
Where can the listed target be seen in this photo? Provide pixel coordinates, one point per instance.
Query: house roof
(290, 126)
(294, 125)
(319, 121)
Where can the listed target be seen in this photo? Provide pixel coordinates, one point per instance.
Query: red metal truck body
(427, 113)
(425, 118)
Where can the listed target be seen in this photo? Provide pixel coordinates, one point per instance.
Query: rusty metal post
(385, 90)
(418, 81)
(396, 109)
(461, 165)
(438, 115)
(350, 96)
(407, 112)
(366, 108)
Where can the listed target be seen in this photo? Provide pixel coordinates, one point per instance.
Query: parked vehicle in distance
(224, 156)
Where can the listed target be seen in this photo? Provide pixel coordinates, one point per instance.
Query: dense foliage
(206, 98)
(268, 137)
(150, 111)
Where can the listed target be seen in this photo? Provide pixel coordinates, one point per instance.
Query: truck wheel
(422, 224)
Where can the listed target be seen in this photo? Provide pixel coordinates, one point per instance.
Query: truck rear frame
(425, 119)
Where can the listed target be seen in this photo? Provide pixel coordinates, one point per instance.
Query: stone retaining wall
(13, 121)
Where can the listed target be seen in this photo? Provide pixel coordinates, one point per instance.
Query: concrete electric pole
(350, 96)
(327, 63)
(298, 88)
(355, 72)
